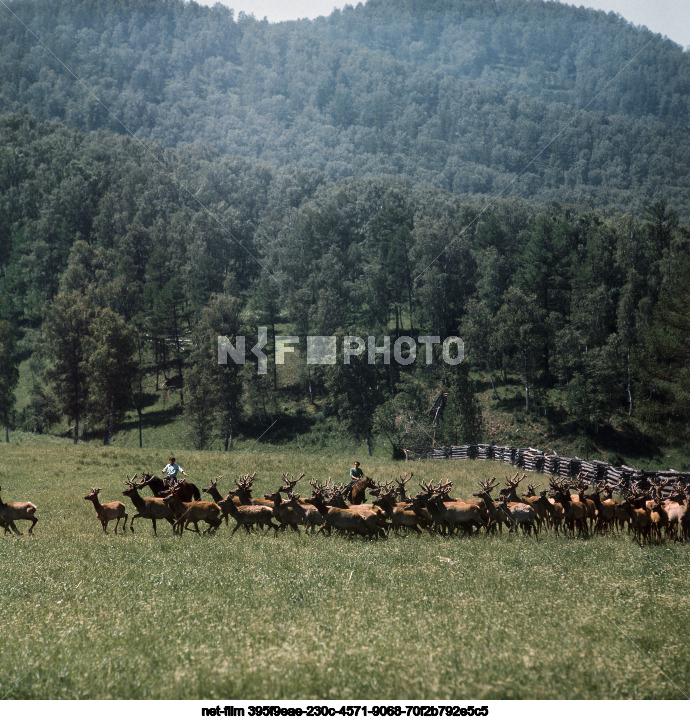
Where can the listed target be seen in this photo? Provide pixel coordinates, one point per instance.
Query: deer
(540, 504)
(309, 515)
(243, 492)
(107, 512)
(223, 503)
(580, 487)
(606, 509)
(444, 489)
(17, 511)
(337, 500)
(448, 515)
(497, 516)
(344, 519)
(555, 510)
(400, 488)
(283, 512)
(574, 512)
(676, 507)
(399, 517)
(520, 515)
(658, 516)
(636, 504)
(151, 508)
(192, 511)
(248, 516)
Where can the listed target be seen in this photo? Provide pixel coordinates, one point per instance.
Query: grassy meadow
(141, 617)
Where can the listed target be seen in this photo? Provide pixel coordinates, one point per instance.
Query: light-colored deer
(107, 511)
(11, 512)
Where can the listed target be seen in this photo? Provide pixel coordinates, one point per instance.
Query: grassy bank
(138, 616)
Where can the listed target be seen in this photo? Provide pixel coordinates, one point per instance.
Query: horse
(356, 495)
(188, 491)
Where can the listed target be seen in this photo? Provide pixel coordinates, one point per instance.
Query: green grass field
(141, 617)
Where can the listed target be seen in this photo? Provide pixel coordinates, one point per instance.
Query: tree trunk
(275, 367)
(109, 427)
(76, 431)
(228, 430)
(629, 389)
(491, 378)
(7, 434)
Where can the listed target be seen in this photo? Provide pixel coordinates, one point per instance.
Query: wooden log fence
(532, 459)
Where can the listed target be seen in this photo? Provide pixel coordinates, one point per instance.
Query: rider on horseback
(355, 474)
(171, 471)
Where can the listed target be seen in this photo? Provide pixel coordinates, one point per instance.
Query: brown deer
(283, 512)
(636, 504)
(309, 515)
(606, 509)
(250, 515)
(574, 512)
(496, 515)
(400, 517)
(242, 495)
(107, 512)
(151, 508)
(448, 515)
(343, 519)
(17, 511)
(223, 503)
(187, 512)
(403, 497)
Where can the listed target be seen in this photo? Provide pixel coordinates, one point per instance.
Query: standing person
(171, 471)
(355, 474)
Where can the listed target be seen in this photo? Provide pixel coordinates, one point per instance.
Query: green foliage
(460, 96)
(665, 357)
(9, 372)
(462, 415)
(357, 132)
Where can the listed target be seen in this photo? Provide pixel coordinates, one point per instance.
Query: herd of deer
(651, 516)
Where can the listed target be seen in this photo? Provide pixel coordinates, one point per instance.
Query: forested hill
(454, 94)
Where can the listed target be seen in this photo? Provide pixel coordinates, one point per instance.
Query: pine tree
(9, 375)
(462, 416)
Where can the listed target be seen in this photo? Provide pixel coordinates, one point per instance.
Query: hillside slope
(457, 95)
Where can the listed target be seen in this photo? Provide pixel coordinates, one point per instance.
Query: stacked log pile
(532, 459)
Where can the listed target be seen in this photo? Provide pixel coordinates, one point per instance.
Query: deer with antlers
(107, 512)
(452, 514)
(574, 512)
(242, 494)
(187, 512)
(399, 515)
(360, 523)
(152, 508)
(496, 515)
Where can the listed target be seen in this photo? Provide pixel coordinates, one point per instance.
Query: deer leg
(131, 523)
(11, 525)
(105, 526)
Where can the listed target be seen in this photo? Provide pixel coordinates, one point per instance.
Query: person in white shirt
(171, 471)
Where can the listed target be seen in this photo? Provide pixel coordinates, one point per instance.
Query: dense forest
(453, 94)
(339, 177)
